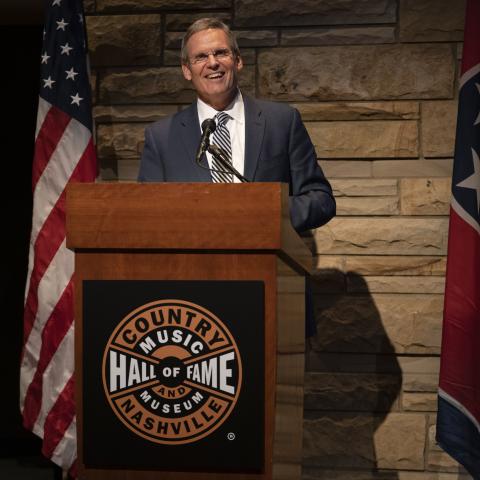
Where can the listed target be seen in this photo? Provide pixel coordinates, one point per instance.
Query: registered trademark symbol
(231, 436)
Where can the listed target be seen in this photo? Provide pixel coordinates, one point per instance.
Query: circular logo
(172, 372)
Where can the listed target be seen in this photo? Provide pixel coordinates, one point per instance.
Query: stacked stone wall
(375, 82)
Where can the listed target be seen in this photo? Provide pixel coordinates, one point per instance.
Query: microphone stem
(220, 155)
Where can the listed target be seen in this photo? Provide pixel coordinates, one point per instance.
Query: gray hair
(206, 24)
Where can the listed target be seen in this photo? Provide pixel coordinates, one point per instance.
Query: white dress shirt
(236, 128)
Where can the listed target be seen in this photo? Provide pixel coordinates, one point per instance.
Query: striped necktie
(221, 138)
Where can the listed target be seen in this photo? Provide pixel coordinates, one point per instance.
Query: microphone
(208, 127)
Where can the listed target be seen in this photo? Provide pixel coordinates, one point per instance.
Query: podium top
(184, 217)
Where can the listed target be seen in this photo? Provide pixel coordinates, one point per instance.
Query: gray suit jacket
(277, 149)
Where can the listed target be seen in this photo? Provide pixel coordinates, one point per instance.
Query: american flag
(64, 152)
(458, 421)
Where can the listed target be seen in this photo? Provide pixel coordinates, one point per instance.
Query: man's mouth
(214, 76)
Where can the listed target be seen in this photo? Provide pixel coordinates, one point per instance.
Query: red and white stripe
(64, 152)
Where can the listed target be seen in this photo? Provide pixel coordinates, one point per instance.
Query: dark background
(21, 24)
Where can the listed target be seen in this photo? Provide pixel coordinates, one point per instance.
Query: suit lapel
(254, 131)
(190, 135)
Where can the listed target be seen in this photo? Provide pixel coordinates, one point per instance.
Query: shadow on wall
(352, 382)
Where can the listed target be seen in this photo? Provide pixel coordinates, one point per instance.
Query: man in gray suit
(264, 141)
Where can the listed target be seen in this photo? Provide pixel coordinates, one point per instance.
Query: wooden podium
(223, 261)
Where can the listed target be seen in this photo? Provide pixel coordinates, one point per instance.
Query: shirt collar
(236, 109)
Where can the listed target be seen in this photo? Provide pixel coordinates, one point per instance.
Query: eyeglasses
(220, 54)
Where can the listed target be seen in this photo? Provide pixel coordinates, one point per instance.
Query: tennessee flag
(458, 421)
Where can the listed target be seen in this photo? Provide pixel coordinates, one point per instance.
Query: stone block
(402, 323)
(395, 284)
(329, 262)
(441, 461)
(256, 38)
(367, 206)
(381, 236)
(395, 265)
(89, 6)
(149, 5)
(346, 362)
(412, 168)
(338, 36)
(391, 448)
(439, 120)
(249, 56)
(359, 187)
(132, 113)
(346, 168)
(181, 21)
(108, 168)
(372, 392)
(431, 20)
(337, 111)
(413, 366)
(155, 85)
(173, 40)
(312, 473)
(340, 440)
(420, 382)
(128, 169)
(124, 39)
(120, 140)
(119, 169)
(432, 441)
(399, 71)
(151, 85)
(419, 402)
(171, 58)
(329, 281)
(425, 196)
(363, 441)
(93, 86)
(374, 139)
(251, 13)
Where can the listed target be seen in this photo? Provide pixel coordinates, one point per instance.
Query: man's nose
(212, 60)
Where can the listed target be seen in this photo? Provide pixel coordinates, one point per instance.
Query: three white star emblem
(76, 99)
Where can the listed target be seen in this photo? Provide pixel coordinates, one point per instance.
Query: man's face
(214, 79)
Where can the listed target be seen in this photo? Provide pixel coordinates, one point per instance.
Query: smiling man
(264, 141)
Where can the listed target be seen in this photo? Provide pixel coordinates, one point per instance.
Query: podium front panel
(174, 369)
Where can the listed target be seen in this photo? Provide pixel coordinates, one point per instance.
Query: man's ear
(186, 72)
(239, 63)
